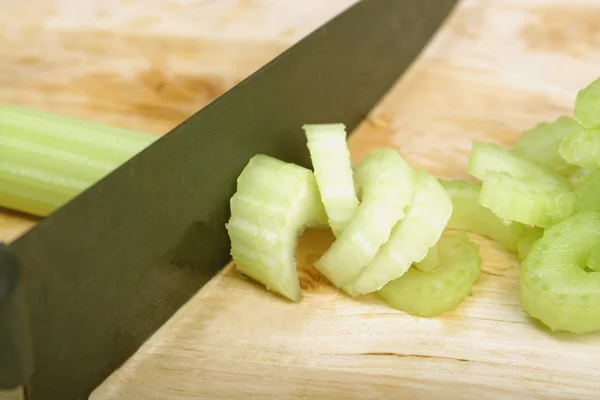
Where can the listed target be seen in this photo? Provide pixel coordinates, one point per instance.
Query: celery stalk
(47, 159)
(274, 201)
(442, 289)
(556, 286)
(541, 143)
(470, 216)
(387, 184)
(333, 171)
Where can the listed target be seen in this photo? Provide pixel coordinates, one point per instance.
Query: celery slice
(587, 193)
(555, 286)
(47, 159)
(593, 261)
(468, 215)
(431, 260)
(517, 189)
(387, 185)
(541, 143)
(274, 201)
(442, 289)
(582, 148)
(331, 162)
(587, 105)
(527, 241)
(410, 239)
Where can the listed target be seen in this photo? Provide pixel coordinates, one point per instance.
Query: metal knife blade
(105, 271)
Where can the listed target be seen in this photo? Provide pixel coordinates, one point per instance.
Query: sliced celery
(431, 260)
(410, 239)
(582, 148)
(587, 193)
(540, 144)
(517, 189)
(593, 261)
(331, 162)
(274, 201)
(387, 185)
(47, 159)
(442, 289)
(468, 215)
(587, 105)
(555, 286)
(527, 241)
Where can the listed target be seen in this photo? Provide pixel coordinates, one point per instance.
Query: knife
(88, 285)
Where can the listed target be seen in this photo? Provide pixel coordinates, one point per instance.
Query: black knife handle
(16, 361)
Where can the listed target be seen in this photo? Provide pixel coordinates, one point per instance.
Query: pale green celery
(274, 201)
(587, 193)
(333, 171)
(387, 185)
(540, 144)
(516, 189)
(593, 260)
(443, 288)
(527, 241)
(582, 148)
(587, 105)
(556, 287)
(431, 260)
(468, 215)
(47, 159)
(410, 239)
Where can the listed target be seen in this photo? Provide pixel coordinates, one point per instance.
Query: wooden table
(497, 68)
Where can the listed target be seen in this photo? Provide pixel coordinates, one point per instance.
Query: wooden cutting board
(497, 67)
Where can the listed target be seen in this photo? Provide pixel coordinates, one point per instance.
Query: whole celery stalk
(48, 159)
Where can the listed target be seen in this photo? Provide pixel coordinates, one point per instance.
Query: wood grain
(497, 68)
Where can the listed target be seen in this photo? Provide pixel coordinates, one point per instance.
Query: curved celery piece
(47, 159)
(410, 239)
(593, 260)
(468, 215)
(587, 193)
(587, 105)
(540, 144)
(274, 201)
(556, 287)
(387, 185)
(517, 189)
(442, 289)
(582, 148)
(431, 260)
(331, 163)
(527, 241)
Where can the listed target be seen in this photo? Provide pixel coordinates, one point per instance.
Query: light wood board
(497, 67)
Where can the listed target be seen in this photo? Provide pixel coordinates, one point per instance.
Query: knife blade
(104, 272)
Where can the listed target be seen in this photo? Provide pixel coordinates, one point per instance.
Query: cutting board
(496, 68)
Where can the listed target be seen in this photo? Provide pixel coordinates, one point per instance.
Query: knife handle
(16, 361)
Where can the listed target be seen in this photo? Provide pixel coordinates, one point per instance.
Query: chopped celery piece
(410, 239)
(587, 105)
(331, 162)
(442, 289)
(527, 200)
(468, 215)
(47, 159)
(540, 144)
(593, 261)
(516, 189)
(587, 193)
(387, 184)
(555, 286)
(431, 260)
(527, 241)
(582, 148)
(274, 201)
